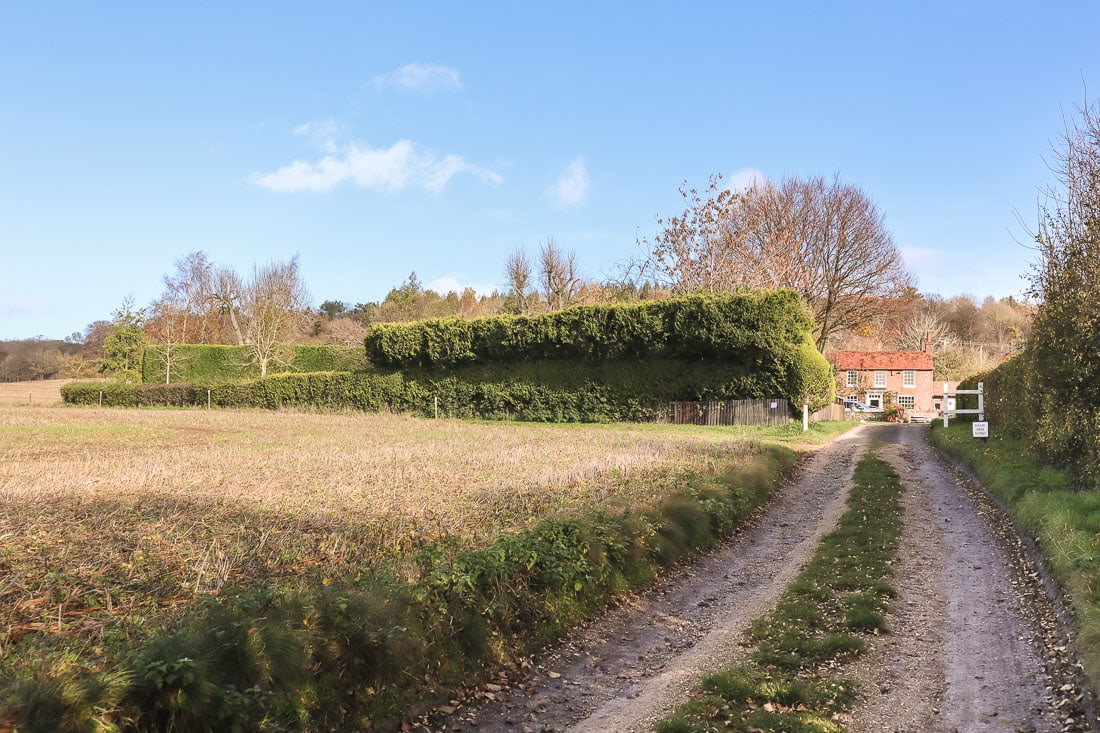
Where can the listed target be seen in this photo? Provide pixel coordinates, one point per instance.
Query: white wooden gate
(980, 412)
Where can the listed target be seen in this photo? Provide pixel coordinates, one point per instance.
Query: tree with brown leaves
(823, 238)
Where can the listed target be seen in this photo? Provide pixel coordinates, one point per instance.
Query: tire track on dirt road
(968, 633)
(635, 664)
(972, 631)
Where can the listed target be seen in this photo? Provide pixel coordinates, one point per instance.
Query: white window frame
(880, 378)
(909, 378)
(852, 378)
(911, 399)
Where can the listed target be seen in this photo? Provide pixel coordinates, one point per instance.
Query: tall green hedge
(599, 363)
(555, 391)
(215, 363)
(697, 327)
(1020, 401)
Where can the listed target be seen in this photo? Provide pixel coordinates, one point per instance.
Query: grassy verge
(157, 576)
(791, 682)
(1064, 522)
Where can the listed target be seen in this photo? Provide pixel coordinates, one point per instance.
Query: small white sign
(980, 429)
(775, 405)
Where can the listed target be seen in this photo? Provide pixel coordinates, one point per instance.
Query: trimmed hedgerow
(217, 363)
(599, 363)
(748, 325)
(550, 391)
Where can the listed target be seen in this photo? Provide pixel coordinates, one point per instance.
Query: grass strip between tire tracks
(792, 680)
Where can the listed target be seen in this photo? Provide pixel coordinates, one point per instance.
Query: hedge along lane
(620, 362)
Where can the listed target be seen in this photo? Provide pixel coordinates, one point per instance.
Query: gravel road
(975, 643)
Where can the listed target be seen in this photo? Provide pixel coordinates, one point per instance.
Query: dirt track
(974, 645)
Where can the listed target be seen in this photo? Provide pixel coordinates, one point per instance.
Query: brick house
(868, 375)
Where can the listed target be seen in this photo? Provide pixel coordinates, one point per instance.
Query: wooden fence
(829, 413)
(732, 412)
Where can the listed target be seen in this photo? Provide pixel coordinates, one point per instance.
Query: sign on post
(980, 429)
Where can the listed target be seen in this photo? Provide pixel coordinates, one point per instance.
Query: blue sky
(374, 140)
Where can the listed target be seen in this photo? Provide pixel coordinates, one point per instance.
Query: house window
(880, 378)
(853, 378)
(907, 401)
(909, 378)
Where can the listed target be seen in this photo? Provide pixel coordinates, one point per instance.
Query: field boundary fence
(732, 412)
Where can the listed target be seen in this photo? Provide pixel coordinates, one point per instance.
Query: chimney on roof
(928, 342)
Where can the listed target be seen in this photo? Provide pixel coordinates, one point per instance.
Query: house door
(874, 399)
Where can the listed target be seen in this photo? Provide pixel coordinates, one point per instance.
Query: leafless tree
(226, 293)
(345, 331)
(920, 326)
(823, 238)
(182, 314)
(558, 275)
(517, 272)
(854, 263)
(276, 303)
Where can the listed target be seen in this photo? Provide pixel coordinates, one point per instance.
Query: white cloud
(421, 79)
(744, 179)
(455, 283)
(400, 166)
(320, 133)
(571, 188)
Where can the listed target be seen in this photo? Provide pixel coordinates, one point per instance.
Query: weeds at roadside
(1064, 522)
(791, 682)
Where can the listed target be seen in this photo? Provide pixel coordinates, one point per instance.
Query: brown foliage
(823, 238)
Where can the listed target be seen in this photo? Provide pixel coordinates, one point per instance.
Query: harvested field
(42, 392)
(120, 513)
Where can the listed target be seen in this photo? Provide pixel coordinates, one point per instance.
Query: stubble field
(121, 515)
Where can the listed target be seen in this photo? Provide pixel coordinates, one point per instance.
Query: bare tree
(921, 326)
(517, 272)
(182, 313)
(276, 303)
(345, 331)
(823, 238)
(855, 265)
(702, 249)
(226, 293)
(558, 275)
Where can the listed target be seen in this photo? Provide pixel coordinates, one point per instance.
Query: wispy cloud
(456, 283)
(421, 79)
(744, 179)
(571, 188)
(320, 133)
(400, 166)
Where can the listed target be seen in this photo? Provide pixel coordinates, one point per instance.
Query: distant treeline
(32, 359)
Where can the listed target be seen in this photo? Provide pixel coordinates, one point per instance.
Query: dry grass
(112, 512)
(42, 392)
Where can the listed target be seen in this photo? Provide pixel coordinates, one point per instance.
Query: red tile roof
(859, 360)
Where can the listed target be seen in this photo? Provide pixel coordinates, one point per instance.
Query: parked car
(857, 406)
